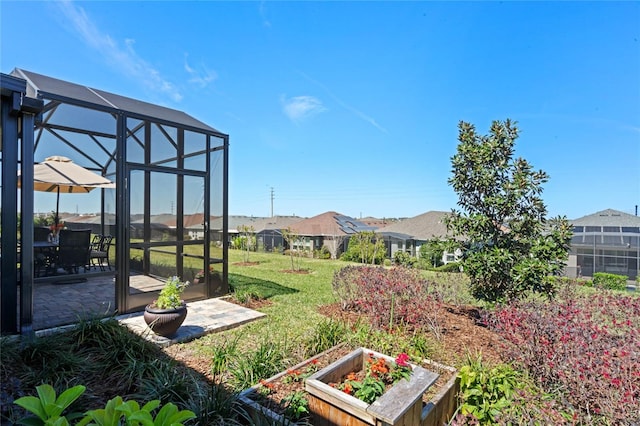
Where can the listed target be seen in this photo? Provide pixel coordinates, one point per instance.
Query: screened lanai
(170, 175)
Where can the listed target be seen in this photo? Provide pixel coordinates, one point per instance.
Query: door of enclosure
(174, 185)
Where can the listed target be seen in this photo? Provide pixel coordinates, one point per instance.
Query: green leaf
(47, 397)
(67, 397)
(32, 405)
(30, 421)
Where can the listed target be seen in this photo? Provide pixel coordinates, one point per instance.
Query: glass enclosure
(169, 172)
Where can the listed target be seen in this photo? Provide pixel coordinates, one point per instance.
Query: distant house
(410, 234)
(269, 232)
(328, 229)
(234, 224)
(605, 241)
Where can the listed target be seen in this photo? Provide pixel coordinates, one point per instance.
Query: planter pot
(400, 405)
(165, 322)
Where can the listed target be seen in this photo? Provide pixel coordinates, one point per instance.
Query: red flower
(402, 359)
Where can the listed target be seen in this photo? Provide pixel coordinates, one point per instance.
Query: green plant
(511, 246)
(296, 405)
(378, 373)
(322, 253)
(485, 393)
(365, 247)
(609, 281)
(449, 267)
(47, 407)
(326, 334)
(431, 253)
(262, 363)
(244, 296)
(48, 410)
(133, 414)
(403, 258)
(222, 353)
(171, 293)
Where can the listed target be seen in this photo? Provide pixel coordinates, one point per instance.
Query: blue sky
(354, 106)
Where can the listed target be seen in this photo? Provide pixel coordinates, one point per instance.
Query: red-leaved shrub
(584, 348)
(387, 296)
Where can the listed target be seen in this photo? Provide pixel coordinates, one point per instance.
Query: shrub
(449, 267)
(365, 247)
(609, 281)
(389, 297)
(584, 348)
(322, 253)
(402, 258)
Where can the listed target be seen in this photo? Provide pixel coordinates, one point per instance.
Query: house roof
(276, 222)
(330, 224)
(377, 222)
(423, 227)
(607, 217)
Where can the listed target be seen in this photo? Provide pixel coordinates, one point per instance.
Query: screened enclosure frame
(138, 146)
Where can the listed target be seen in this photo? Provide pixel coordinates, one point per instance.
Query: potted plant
(167, 313)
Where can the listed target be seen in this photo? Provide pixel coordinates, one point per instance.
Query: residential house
(328, 229)
(409, 234)
(605, 241)
(269, 232)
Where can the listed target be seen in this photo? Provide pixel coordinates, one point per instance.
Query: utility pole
(272, 196)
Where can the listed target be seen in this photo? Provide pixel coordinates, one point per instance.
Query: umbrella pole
(57, 207)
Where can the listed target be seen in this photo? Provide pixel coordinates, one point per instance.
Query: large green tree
(512, 247)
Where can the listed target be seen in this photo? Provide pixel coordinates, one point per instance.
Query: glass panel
(197, 162)
(578, 228)
(83, 119)
(193, 208)
(216, 142)
(576, 239)
(194, 142)
(163, 205)
(163, 148)
(631, 241)
(592, 229)
(217, 182)
(612, 240)
(611, 229)
(135, 141)
(632, 229)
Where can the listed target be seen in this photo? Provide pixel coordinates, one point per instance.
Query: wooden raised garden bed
(414, 402)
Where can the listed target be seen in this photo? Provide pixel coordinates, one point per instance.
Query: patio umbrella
(59, 174)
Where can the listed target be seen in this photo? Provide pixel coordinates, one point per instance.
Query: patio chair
(73, 250)
(100, 253)
(42, 257)
(41, 233)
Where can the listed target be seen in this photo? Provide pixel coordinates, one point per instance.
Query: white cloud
(300, 107)
(262, 9)
(201, 77)
(124, 60)
(346, 106)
